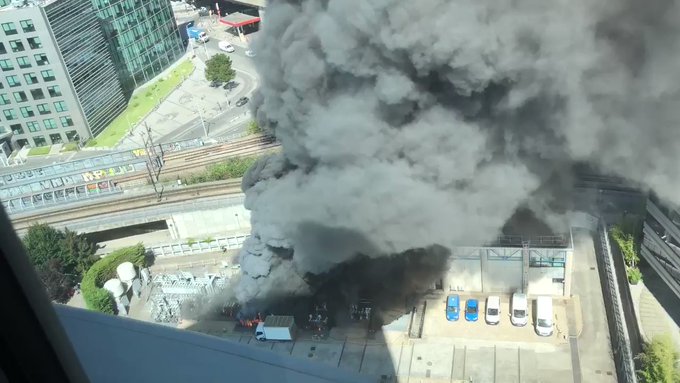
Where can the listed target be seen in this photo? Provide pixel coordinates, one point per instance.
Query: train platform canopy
(237, 19)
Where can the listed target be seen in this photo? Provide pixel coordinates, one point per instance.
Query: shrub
(191, 241)
(634, 275)
(253, 128)
(232, 168)
(208, 239)
(626, 244)
(95, 296)
(658, 361)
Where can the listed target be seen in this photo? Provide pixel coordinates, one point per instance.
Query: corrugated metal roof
(279, 321)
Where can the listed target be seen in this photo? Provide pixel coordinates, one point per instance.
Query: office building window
(20, 96)
(43, 108)
(39, 141)
(60, 106)
(47, 75)
(66, 121)
(54, 91)
(41, 59)
(13, 80)
(9, 28)
(34, 42)
(24, 62)
(33, 126)
(3, 50)
(26, 111)
(17, 129)
(30, 78)
(37, 94)
(56, 138)
(27, 25)
(4, 99)
(3, 129)
(17, 46)
(6, 65)
(50, 123)
(10, 114)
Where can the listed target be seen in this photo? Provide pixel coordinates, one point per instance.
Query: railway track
(124, 203)
(178, 164)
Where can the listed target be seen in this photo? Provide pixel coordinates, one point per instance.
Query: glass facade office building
(88, 59)
(144, 36)
(68, 67)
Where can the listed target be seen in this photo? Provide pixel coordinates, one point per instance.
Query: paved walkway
(653, 319)
(179, 116)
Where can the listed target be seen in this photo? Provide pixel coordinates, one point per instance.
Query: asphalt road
(233, 119)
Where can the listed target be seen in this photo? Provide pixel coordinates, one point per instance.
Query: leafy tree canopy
(218, 68)
(59, 257)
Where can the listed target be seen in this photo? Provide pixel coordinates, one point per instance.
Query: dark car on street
(242, 101)
(215, 84)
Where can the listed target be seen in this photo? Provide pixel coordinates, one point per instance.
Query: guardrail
(199, 247)
(620, 340)
(178, 249)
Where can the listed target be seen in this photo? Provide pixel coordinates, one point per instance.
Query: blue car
(452, 307)
(472, 310)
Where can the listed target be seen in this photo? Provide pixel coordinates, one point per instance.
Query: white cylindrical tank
(115, 286)
(126, 272)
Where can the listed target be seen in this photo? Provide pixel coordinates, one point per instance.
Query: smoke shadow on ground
(391, 286)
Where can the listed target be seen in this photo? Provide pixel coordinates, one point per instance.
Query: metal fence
(199, 247)
(620, 340)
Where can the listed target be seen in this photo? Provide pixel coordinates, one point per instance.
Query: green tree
(658, 361)
(57, 284)
(44, 243)
(218, 68)
(59, 257)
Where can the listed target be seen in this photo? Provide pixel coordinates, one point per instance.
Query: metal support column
(526, 255)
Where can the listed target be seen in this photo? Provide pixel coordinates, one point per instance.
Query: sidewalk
(181, 112)
(653, 319)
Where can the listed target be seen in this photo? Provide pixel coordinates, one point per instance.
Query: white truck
(276, 327)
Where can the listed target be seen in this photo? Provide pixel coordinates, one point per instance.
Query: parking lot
(436, 325)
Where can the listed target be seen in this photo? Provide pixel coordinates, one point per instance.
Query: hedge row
(95, 296)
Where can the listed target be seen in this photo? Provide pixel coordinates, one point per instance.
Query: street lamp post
(205, 130)
(238, 222)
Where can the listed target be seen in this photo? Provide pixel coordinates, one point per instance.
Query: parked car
(544, 315)
(519, 309)
(242, 101)
(250, 53)
(230, 85)
(215, 84)
(493, 309)
(452, 307)
(203, 11)
(225, 46)
(472, 310)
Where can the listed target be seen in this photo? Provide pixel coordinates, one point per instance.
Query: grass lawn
(41, 151)
(141, 103)
(70, 147)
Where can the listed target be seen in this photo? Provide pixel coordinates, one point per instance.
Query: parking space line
(519, 366)
(410, 365)
(363, 355)
(453, 360)
(575, 359)
(495, 350)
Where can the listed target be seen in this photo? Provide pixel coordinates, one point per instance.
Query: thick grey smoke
(411, 123)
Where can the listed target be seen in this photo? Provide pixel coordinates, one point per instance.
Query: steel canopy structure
(239, 20)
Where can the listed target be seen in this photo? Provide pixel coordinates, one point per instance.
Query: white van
(544, 316)
(493, 309)
(519, 309)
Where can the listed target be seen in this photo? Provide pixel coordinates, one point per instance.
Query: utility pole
(200, 114)
(153, 164)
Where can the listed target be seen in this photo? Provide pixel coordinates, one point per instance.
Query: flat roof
(238, 19)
